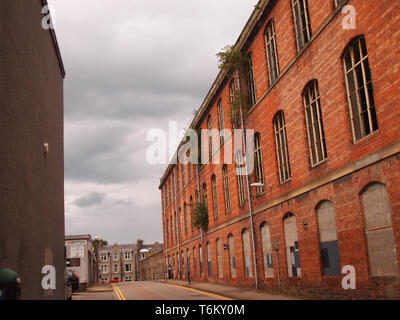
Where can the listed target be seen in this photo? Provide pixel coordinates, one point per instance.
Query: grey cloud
(90, 200)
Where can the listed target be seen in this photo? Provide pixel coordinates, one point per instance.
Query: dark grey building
(31, 157)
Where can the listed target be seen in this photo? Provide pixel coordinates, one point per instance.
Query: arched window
(240, 177)
(267, 250)
(172, 231)
(186, 218)
(226, 189)
(379, 231)
(191, 214)
(209, 260)
(292, 245)
(188, 262)
(183, 176)
(248, 268)
(315, 127)
(232, 258)
(359, 89)
(219, 258)
(167, 230)
(250, 80)
(215, 197)
(221, 120)
(301, 22)
(234, 96)
(183, 263)
(272, 52)
(328, 239)
(210, 137)
(205, 195)
(176, 226)
(173, 266)
(201, 261)
(178, 184)
(282, 147)
(195, 261)
(258, 163)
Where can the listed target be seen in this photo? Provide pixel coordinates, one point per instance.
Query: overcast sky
(132, 65)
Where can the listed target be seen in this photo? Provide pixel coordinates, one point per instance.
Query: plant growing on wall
(200, 214)
(232, 61)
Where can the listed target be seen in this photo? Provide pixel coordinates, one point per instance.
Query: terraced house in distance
(321, 82)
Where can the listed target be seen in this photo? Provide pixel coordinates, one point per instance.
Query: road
(145, 290)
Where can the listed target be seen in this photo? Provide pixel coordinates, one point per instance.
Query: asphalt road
(145, 290)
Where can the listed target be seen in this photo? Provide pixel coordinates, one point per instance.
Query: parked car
(114, 280)
(74, 280)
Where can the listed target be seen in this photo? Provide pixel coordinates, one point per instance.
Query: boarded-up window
(379, 231)
(232, 258)
(209, 260)
(219, 258)
(292, 245)
(267, 250)
(248, 269)
(328, 239)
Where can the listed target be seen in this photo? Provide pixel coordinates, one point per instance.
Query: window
(282, 147)
(359, 89)
(328, 239)
(116, 268)
(128, 255)
(177, 179)
(315, 128)
(240, 178)
(248, 268)
(191, 214)
(169, 191)
(128, 268)
(194, 262)
(379, 231)
(172, 232)
(267, 250)
(219, 258)
(205, 195)
(338, 2)
(174, 182)
(232, 259)
(183, 264)
(250, 80)
(209, 260)
(233, 93)
(210, 144)
(292, 245)
(186, 218)
(115, 256)
(183, 176)
(201, 262)
(226, 188)
(301, 22)
(103, 269)
(214, 195)
(188, 261)
(176, 227)
(221, 120)
(272, 53)
(189, 172)
(259, 163)
(103, 256)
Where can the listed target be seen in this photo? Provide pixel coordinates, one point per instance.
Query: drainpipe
(249, 198)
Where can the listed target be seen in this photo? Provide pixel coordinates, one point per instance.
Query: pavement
(235, 293)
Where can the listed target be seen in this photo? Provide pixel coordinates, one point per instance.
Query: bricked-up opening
(267, 250)
(330, 256)
(382, 253)
(302, 22)
(250, 80)
(272, 52)
(201, 262)
(183, 263)
(232, 258)
(221, 121)
(292, 245)
(314, 123)
(209, 260)
(282, 151)
(259, 172)
(248, 268)
(219, 258)
(188, 262)
(214, 196)
(359, 89)
(226, 189)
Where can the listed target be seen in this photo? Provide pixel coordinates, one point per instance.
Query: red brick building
(323, 92)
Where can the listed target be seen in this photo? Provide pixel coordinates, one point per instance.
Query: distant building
(32, 150)
(80, 258)
(151, 262)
